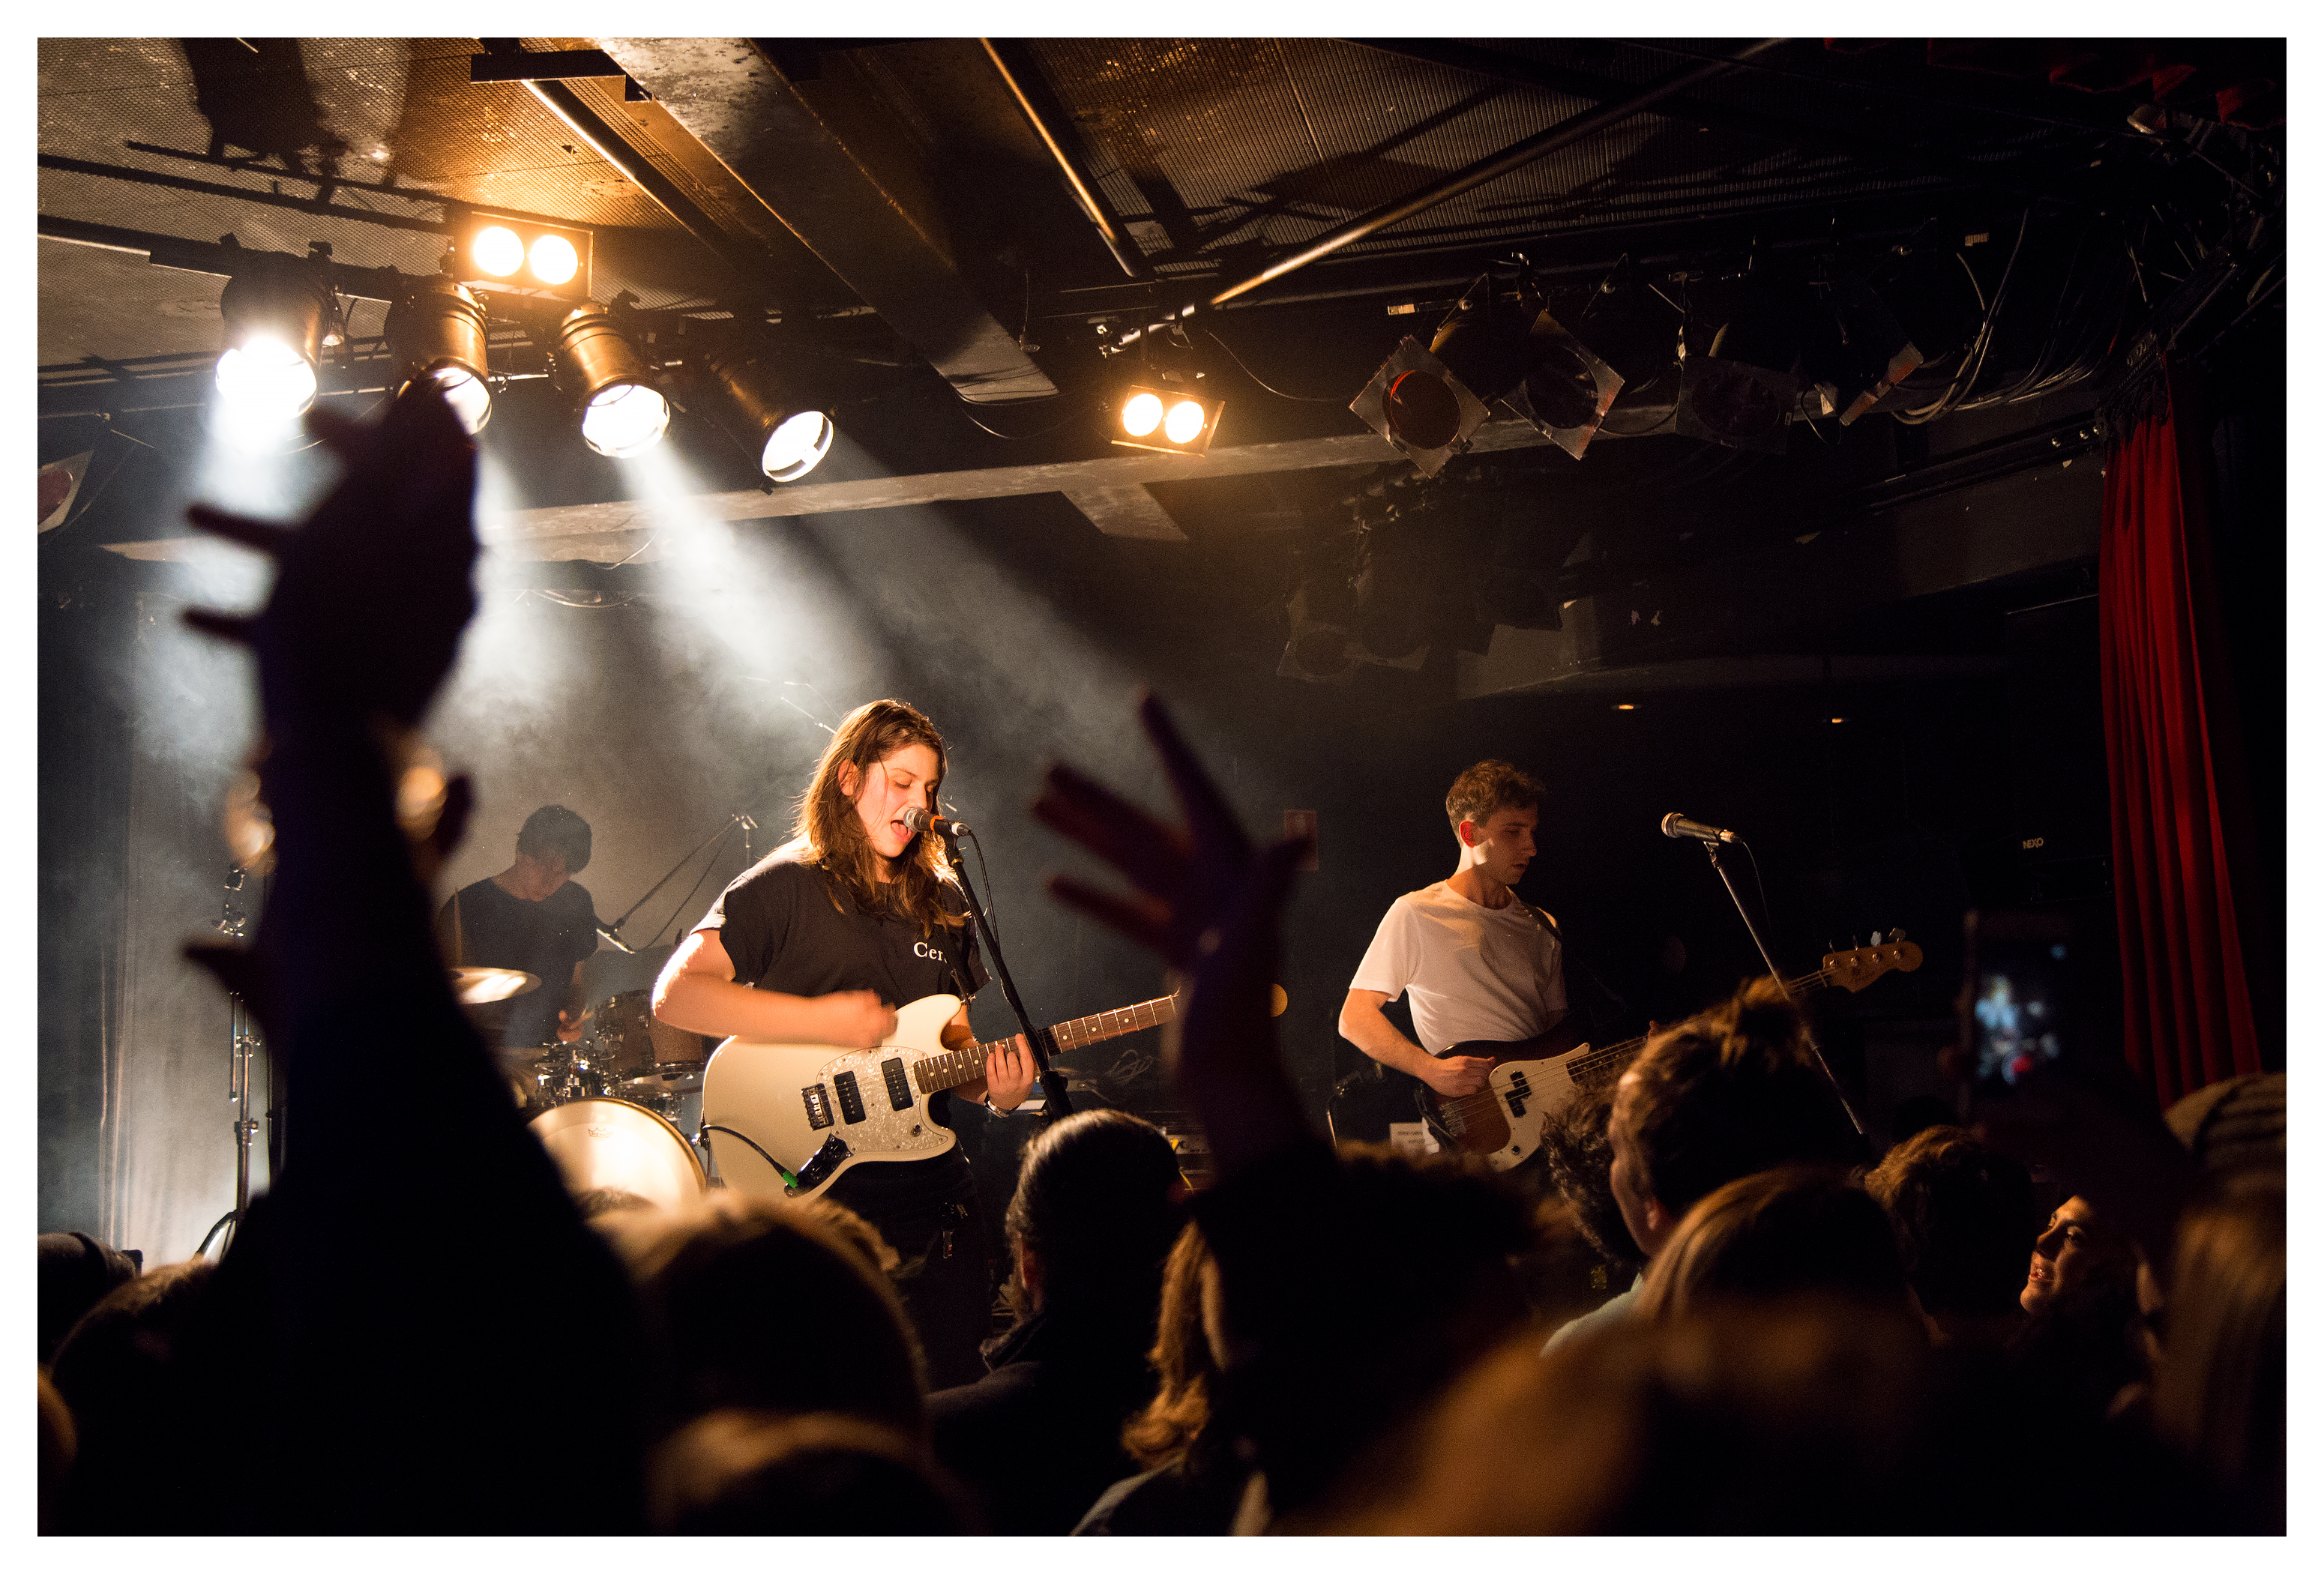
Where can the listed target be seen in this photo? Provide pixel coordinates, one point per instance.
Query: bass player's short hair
(1488, 787)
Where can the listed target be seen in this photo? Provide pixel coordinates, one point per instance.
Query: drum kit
(611, 1106)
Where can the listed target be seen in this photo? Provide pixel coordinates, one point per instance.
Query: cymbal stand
(242, 1044)
(742, 821)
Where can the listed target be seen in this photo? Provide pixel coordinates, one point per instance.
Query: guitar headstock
(1852, 969)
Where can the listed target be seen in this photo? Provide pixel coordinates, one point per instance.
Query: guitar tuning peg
(1876, 937)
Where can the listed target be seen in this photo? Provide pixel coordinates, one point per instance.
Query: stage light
(1187, 420)
(757, 404)
(1745, 391)
(439, 332)
(554, 259)
(1490, 348)
(278, 317)
(622, 413)
(502, 251)
(1141, 413)
(497, 251)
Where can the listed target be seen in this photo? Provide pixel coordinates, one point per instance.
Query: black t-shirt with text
(788, 927)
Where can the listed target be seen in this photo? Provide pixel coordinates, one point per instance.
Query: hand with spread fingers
(372, 592)
(1208, 904)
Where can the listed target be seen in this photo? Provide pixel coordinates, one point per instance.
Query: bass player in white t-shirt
(1484, 967)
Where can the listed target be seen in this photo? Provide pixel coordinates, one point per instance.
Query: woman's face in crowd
(2062, 1253)
(903, 780)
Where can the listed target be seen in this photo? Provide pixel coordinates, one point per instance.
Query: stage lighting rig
(611, 384)
(500, 252)
(1430, 403)
(438, 331)
(788, 436)
(1160, 403)
(280, 313)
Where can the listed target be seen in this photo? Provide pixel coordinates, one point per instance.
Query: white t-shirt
(1474, 973)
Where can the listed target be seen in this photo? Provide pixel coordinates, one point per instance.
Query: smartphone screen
(2015, 1011)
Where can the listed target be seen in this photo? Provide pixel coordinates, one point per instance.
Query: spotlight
(439, 332)
(1430, 403)
(276, 317)
(1320, 649)
(1636, 331)
(508, 253)
(1141, 413)
(1745, 391)
(1187, 420)
(788, 438)
(1415, 403)
(554, 259)
(610, 384)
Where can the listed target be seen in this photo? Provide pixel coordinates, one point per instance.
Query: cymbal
(482, 986)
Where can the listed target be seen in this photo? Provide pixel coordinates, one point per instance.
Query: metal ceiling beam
(1019, 70)
(777, 144)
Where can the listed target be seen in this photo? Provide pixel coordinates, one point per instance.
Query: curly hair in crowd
(1580, 1157)
(1965, 1218)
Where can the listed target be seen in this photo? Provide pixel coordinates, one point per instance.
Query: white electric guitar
(787, 1119)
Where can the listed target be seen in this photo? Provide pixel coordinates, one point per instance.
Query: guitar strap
(1566, 948)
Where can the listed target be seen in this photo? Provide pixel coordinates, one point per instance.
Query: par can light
(439, 332)
(1167, 419)
(620, 411)
(275, 319)
(789, 438)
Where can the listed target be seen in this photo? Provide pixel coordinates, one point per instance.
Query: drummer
(535, 917)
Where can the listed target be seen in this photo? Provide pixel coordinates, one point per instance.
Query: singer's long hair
(834, 838)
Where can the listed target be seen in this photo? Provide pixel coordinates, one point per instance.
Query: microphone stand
(1055, 1103)
(241, 1043)
(745, 820)
(1710, 850)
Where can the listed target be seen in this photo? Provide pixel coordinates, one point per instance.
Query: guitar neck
(1594, 1068)
(940, 1072)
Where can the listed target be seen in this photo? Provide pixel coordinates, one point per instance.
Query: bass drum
(607, 1145)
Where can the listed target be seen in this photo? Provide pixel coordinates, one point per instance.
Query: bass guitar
(1502, 1121)
(787, 1119)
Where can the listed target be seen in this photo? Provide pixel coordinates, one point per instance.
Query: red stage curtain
(2174, 760)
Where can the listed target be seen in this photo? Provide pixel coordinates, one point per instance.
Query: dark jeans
(929, 1212)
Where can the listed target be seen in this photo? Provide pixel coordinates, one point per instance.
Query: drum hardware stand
(747, 825)
(1710, 849)
(1055, 1102)
(242, 1044)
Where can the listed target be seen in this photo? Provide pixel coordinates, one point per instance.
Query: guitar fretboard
(940, 1072)
(1594, 1068)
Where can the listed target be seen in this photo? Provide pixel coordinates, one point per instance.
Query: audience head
(1726, 1093)
(756, 1473)
(2220, 1393)
(1096, 1209)
(58, 1446)
(1964, 1217)
(77, 1272)
(1786, 1232)
(116, 1373)
(718, 1280)
(1581, 1158)
(2075, 1248)
(554, 834)
(1778, 1417)
(1184, 1359)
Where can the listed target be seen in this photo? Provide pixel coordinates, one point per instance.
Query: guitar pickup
(899, 1086)
(818, 1106)
(851, 1096)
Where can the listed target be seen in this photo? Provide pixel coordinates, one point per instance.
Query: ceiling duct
(878, 238)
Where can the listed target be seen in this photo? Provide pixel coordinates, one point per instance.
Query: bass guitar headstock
(1852, 969)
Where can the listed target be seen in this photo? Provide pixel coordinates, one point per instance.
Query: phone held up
(2017, 994)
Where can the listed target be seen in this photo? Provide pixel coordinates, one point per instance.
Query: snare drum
(601, 1144)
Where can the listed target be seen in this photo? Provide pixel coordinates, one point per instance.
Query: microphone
(1678, 827)
(916, 820)
(613, 940)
